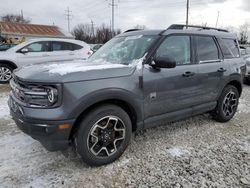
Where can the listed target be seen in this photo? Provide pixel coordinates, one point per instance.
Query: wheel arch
(127, 103)
(236, 84)
(7, 62)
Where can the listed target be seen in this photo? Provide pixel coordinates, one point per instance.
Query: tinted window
(38, 47)
(206, 48)
(177, 48)
(77, 47)
(62, 46)
(232, 48)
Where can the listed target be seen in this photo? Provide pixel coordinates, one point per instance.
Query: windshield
(123, 50)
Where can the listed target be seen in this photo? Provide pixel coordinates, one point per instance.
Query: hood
(70, 71)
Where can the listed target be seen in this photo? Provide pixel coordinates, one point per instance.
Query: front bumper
(45, 131)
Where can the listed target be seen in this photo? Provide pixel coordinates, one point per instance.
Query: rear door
(62, 51)
(212, 67)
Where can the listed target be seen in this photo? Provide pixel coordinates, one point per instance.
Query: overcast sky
(155, 14)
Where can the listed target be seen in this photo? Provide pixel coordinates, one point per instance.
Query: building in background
(17, 32)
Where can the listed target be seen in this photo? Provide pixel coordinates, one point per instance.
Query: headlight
(42, 96)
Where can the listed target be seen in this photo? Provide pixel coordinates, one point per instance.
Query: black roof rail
(130, 30)
(181, 27)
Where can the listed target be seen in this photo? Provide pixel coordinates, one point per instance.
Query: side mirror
(163, 62)
(24, 50)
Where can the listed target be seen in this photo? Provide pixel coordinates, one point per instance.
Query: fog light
(64, 126)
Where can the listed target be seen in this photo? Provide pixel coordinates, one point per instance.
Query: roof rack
(181, 27)
(130, 30)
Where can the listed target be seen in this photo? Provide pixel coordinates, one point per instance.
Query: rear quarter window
(229, 48)
(77, 47)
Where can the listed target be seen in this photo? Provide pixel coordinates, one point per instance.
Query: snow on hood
(84, 66)
(80, 66)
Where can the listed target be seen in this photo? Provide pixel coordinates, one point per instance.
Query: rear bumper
(46, 132)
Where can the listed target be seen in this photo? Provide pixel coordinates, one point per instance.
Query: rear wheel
(247, 80)
(5, 73)
(103, 135)
(227, 104)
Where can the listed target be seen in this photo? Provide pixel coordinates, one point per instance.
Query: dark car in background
(4, 47)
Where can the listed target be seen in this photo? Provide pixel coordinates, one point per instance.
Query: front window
(123, 50)
(176, 48)
(38, 47)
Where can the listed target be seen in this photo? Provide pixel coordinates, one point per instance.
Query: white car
(40, 51)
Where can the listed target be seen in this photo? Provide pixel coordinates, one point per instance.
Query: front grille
(30, 94)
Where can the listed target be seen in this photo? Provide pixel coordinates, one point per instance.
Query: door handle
(188, 74)
(222, 70)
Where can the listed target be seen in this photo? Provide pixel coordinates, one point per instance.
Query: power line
(68, 17)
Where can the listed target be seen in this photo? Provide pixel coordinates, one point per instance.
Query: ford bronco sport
(135, 81)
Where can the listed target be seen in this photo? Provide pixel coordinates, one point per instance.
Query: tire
(227, 104)
(5, 73)
(95, 134)
(247, 80)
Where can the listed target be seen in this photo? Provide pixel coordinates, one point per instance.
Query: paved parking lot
(197, 152)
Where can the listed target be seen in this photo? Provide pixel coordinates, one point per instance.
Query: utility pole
(112, 4)
(22, 13)
(218, 15)
(68, 17)
(92, 28)
(187, 13)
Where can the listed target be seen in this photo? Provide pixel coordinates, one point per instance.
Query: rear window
(229, 48)
(206, 49)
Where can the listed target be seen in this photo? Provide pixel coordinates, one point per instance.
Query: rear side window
(207, 50)
(229, 48)
(62, 46)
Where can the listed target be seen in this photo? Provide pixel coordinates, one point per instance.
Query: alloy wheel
(229, 104)
(5, 74)
(106, 136)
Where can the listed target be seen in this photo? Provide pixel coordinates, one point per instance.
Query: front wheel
(103, 136)
(227, 104)
(5, 73)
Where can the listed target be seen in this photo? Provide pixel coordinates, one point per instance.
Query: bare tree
(102, 33)
(243, 33)
(16, 18)
(140, 26)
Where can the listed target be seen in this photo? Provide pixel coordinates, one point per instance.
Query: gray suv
(137, 80)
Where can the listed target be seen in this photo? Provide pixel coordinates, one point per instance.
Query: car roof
(181, 29)
(58, 39)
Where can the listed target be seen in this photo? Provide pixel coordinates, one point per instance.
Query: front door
(38, 52)
(171, 90)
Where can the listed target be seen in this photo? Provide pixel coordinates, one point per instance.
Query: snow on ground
(200, 153)
(244, 106)
(4, 109)
(178, 151)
